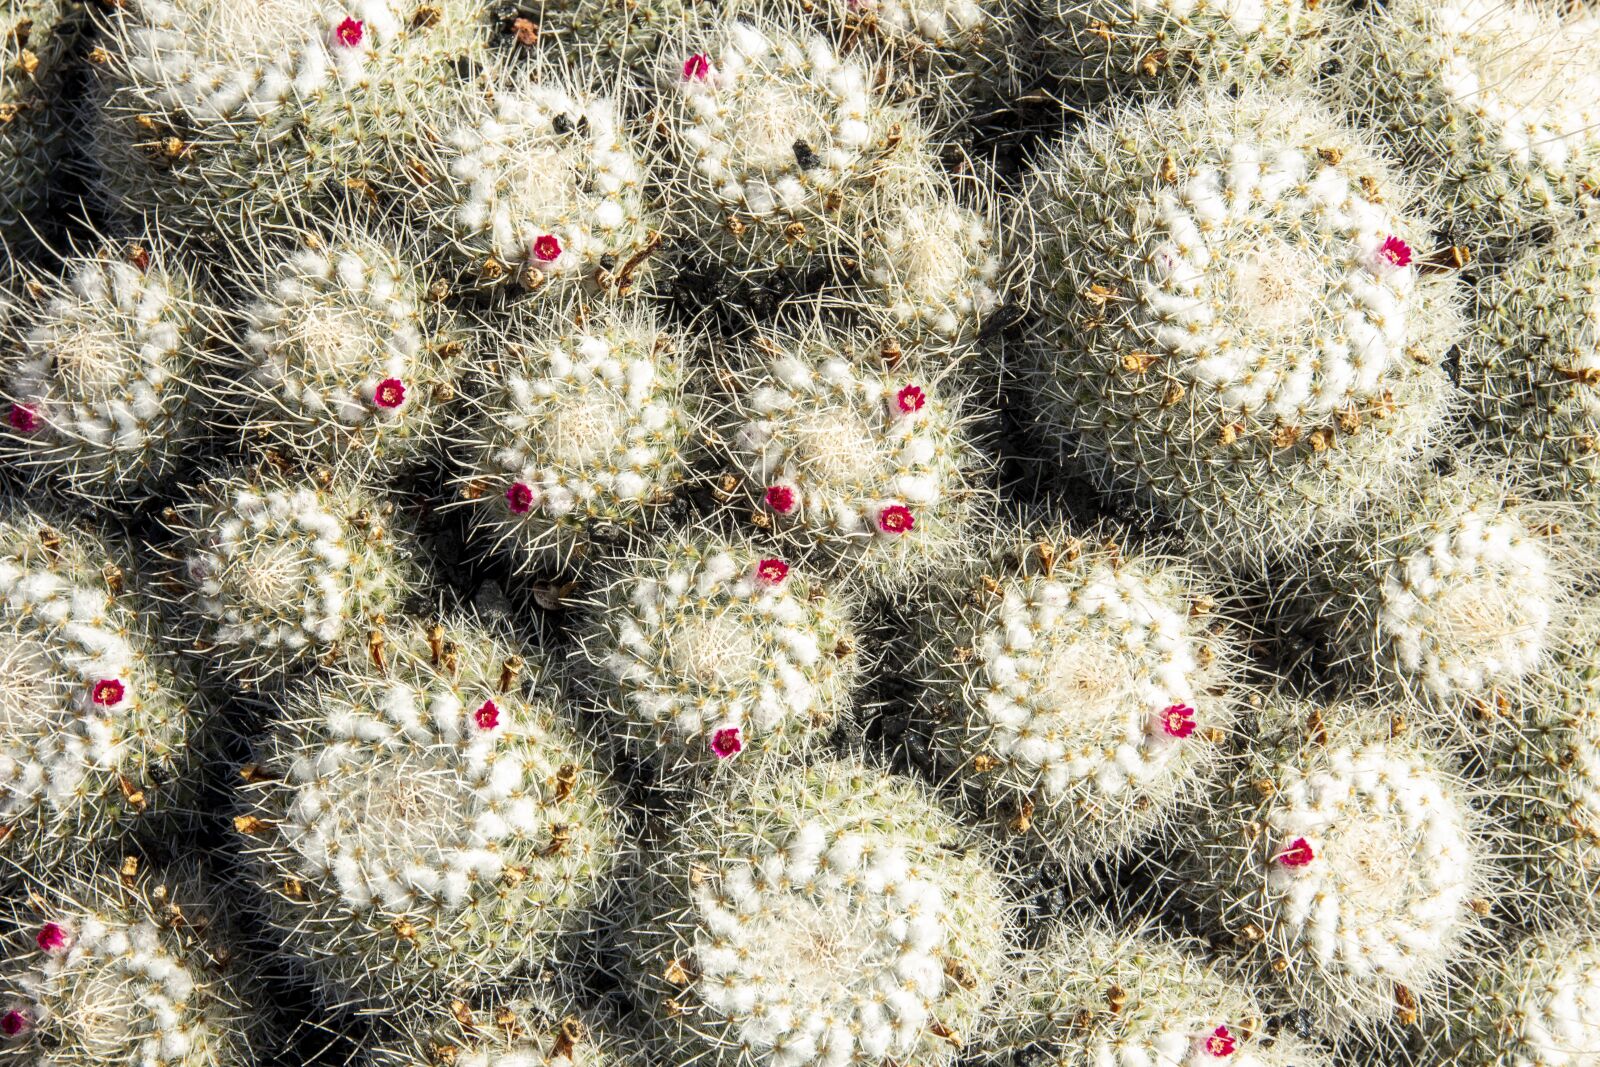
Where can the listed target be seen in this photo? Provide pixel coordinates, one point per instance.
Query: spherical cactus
(127, 968)
(621, 36)
(425, 821)
(537, 183)
(1493, 104)
(825, 916)
(517, 1028)
(1534, 1005)
(1098, 996)
(853, 454)
(344, 357)
(278, 572)
(107, 372)
(1076, 694)
(1344, 858)
(577, 432)
(701, 647)
(1097, 47)
(1239, 333)
(96, 724)
(35, 38)
(1531, 365)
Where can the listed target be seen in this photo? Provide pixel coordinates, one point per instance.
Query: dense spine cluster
(526, 1028)
(35, 38)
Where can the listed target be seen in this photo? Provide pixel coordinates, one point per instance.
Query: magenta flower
(896, 519)
(390, 393)
(1394, 252)
(772, 571)
(547, 249)
(1221, 1043)
(910, 399)
(349, 33)
(52, 938)
(697, 68)
(487, 716)
(1178, 720)
(780, 498)
(726, 742)
(520, 497)
(25, 417)
(15, 1022)
(1298, 854)
(108, 692)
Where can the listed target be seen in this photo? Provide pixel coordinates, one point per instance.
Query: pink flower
(15, 1022)
(25, 417)
(487, 716)
(1298, 854)
(726, 742)
(896, 519)
(390, 393)
(52, 937)
(1393, 253)
(547, 249)
(910, 399)
(108, 692)
(697, 67)
(520, 497)
(1221, 1043)
(1178, 720)
(780, 498)
(349, 33)
(772, 571)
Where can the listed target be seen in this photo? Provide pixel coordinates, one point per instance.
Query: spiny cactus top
(1077, 694)
(423, 820)
(702, 647)
(344, 357)
(851, 453)
(516, 1028)
(105, 384)
(95, 724)
(1239, 329)
(578, 430)
(34, 38)
(1493, 104)
(125, 968)
(1344, 858)
(279, 571)
(1096, 996)
(826, 917)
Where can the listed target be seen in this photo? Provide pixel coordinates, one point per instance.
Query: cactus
(1096, 46)
(106, 373)
(35, 39)
(1096, 995)
(123, 967)
(611, 36)
(344, 357)
(1239, 334)
(578, 432)
(1345, 859)
(1494, 105)
(521, 1029)
(853, 454)
(831, 915)
(277, 572)
(701, 647)
(1078, 694)
(96, 723)
(425, 822)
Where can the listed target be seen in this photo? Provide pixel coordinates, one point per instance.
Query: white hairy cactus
(701, 647)
(515, 1028)
(35, 37)
(854, 451)
(1494, 105)
(578, 430)
(344, 357)
(96, 724)
(1095, 995)
(1237, 329)
(119, 967)
(1345, 860)
(279, 572)
(425, 821)
(1077, 694)
(106, 372)
(825, 917)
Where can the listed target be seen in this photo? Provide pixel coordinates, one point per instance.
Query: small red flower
(390, 393)
(1394, 252)
(108, 691)
(1221, 1043)
(780, 498)
(487, 716)
(726, 742)
(1298, 854)
(896, 519)
(25, 417)
(1178, 720)
(52, 937)
(547, 249)
(910, 399)
(519, 497)
(14, 1022)
(697, 67)
(772, 571)
(349, 33)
